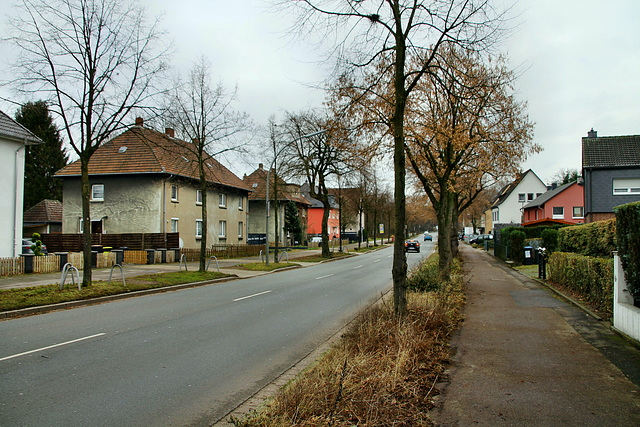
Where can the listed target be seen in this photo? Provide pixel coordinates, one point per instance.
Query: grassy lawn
(260, 266)
(319, 258)
(528, 270)
(14, 299)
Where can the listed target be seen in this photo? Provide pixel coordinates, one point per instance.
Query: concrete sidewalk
(519, 358)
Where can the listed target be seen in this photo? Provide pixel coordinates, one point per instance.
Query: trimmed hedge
(597, 239)
(628, 236)
(531, 232)
(516, 241)
(550, 239)
(591, 278)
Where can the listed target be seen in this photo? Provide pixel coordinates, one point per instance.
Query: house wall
(12, 195)
(257, 220)
(510, 211)
(571, 197)
(598, 190)
(142, 204)
(314, 225)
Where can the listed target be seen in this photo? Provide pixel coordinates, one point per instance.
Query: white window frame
(222, 200)
(174, 221)
(94, 187)
(555, 215)
(530, 197)
(240, 230)
(240, 203)
(573, 212)
(198, 197)
(174, 193)
(522, 197)
(626, 186)
(198, 229)
(80, 225)
(222, 229)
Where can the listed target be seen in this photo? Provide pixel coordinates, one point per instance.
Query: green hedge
(628, 236)
(596, 239)
(590, 277)
(530, 232)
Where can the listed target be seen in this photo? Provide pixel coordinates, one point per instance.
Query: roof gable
(141, 150)
(611, 151)
(545, 197)
(256, 182)
(14, 131)
(45, 211)
(506, 191)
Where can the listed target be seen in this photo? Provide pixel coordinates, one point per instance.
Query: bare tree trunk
(444, 236)
(205, 222)
(86, 222)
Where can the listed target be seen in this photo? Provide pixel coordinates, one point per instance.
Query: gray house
(611, 172)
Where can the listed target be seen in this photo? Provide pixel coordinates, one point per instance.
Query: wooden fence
(58, 242)
(51, 263)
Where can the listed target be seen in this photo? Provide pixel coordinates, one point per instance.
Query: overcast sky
(579, 63)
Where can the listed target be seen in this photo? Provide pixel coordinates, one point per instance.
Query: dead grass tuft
(383, 372)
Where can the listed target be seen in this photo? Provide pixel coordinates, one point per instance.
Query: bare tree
(400, 39)
(95, 61)
(202, 115)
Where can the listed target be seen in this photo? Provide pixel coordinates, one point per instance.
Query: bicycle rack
(283, 253)
(183, 258)
(63, 276)
(209, 262)
(261, 255)
(121, 274)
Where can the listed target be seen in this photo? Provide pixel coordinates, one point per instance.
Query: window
(240, 230)
(198, 229)
(578, 212)
(97, 193)
(626, 186)
(174, 193)
(174, 225)
(223, 200)
(198, 197)
(521, 198)
(240, 203)
(222, 231)
(80, 226)
(530, 197)
(558, 212)
(538, 194)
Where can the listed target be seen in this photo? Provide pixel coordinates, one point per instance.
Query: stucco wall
(11, 194)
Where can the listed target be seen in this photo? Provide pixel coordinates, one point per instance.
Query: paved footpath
(520, 360)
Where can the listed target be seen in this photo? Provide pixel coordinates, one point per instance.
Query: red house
(561, 205)
(314, 216)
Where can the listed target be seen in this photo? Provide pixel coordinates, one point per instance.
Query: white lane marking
(324, 277)
(360, 266)
(378, 260)
(51, 346)
(251, 296)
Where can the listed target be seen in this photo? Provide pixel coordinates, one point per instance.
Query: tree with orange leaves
(465, 128)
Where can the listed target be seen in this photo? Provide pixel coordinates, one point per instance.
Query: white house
(508, 205)
(14, 139)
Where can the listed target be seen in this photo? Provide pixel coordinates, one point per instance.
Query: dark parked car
(481, 238)
(412, 245)
(428, 237)
(26, 247)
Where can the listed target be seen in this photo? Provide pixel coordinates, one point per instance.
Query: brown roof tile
(45, 211)
(256, 182)
(142, 150)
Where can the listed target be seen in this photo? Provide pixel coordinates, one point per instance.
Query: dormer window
(122, 149)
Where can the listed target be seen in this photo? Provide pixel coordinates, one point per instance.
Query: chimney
(169, 132)
(139, 121)
(259, 165)
(592, 133)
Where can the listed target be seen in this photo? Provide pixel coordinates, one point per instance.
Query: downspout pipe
(18, 200)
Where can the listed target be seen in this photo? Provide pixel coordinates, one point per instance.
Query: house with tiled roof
(44, 217)
(508, 205)
(611, 173)
(286, 192)
(562, 204)
(316, 211)
(14, 139)
(145, 181)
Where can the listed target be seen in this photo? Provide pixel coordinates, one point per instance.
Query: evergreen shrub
(628, 237)
(597, 239)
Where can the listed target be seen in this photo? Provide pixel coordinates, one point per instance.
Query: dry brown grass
(382, 373)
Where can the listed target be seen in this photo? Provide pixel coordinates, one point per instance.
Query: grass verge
(368, 248)
(15, 299)
(261, 266)
(383, 371)
(319, 258)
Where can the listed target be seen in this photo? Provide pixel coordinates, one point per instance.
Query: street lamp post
(268, 181)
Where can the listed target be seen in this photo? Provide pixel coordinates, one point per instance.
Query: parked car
(481, 238)
(316, 239)
(428, 237)
(26, 247)
(411, 245)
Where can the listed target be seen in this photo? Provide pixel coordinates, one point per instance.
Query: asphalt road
(180, 358)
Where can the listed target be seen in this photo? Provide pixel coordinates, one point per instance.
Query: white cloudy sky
(580, 63)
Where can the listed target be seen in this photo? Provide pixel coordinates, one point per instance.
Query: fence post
(28, 262)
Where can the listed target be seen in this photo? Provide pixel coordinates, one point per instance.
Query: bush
(425, 277)
(37, 245)
(596, 239)
(516, 240)
(550, 239)
(589, 277)
(628, 237)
